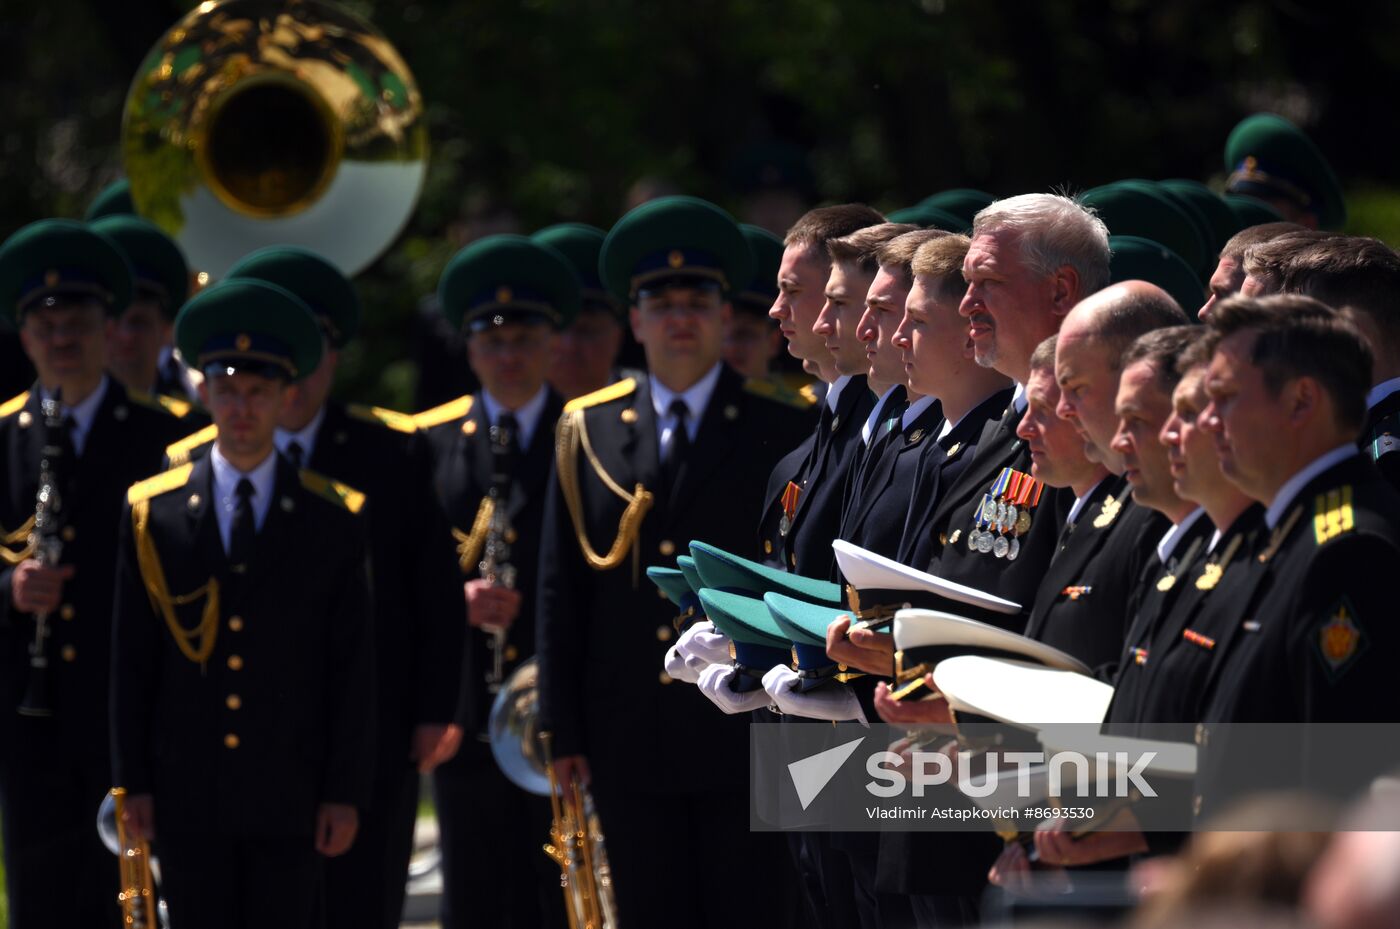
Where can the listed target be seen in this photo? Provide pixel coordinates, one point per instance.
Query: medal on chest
(791, 494)
(1004, 515)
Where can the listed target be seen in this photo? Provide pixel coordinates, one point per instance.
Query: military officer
(243, 666)
(586, 351)
(643, 467)
(62, 284)
(1273, 161)
(1287, 384)
(751, 341)
(418, 634)
(1361, 278)
(1228, 277)
(807, 487)
(143, 328)
(510, 296)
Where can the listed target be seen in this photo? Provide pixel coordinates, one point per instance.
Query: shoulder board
(810, 392)
(173, 479)
(612, 392)
(177, 408)
(770, 390)
(179, 452)
(14, 404)
(452, 409)
(342, 495)
(1332, 514)
(399, 422)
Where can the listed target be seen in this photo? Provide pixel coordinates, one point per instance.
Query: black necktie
(296, 454)
(679, 449)
(508, 431)
(240, 538)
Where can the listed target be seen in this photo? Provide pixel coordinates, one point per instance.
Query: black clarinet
(495, 554)
(46, 547)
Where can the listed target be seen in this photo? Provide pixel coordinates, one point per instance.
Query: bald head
(1088, 357)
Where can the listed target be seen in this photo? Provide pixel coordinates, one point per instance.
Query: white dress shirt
(305, 437)
(833, 391)
(696, 399)
(867, 431)
(527, 418)
(226, 478)
(83, 414)
(1167, 546)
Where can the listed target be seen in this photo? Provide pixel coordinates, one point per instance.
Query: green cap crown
(112, 200)
(674, 238)
(743, 618)
(1137, 208)
(686, 565)
(1137, 259)
(766, 250)
(930, 217)
(54, 257)
(718, 568)
(581, 244)
(802, 622)
(246, 324)
(1252, 212)
(1269, 157)
(963, 202)
(319, 284)
(1220, 219)
(671, 582)
(157, 264)
(508, 278)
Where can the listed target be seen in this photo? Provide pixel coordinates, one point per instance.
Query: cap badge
(504, 294)
(243, 342)
(628, 415)
(51, 278)
(676, 259)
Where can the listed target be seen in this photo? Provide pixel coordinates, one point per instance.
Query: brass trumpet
(137, 895)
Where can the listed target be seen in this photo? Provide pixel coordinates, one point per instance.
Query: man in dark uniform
(1361, 278)
(492, 453)
(806, 488)
(643, 468)
(1287, 384)
(751, 340)
(62, 283)
(143, 328)
(418, 632)
(587, 349)
(242, 664)
(1273, 161)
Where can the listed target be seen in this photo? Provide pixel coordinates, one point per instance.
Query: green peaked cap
(719, 568)
(743, 618)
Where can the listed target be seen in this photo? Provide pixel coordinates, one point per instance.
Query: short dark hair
(817, 227)
(1298, 336)
(897, 255)
(1353, 273)
(1117, 324)
(1265, 261)
(942, 257)
(861, 247)
(1162, 349)
(1236, 245)
(1043, 358)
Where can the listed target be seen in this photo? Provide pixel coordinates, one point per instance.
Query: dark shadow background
(549, 110)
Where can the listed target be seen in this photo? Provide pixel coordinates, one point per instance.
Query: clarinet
(47, 548)
(494, 566)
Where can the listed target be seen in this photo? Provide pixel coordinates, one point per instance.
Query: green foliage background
(549, 110)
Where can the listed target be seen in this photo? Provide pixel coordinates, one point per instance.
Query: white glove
(714, 683)
(704, 642)
(834, 702)
(678, 666)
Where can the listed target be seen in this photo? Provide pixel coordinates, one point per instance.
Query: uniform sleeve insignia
(399, 422)
(1340, 640)
(452, 409)
(612, 392)
(343, 495)
(14, 404)
(771, 390)
(167, 481)
(177, 408)
(1332, 514)
(179, 452)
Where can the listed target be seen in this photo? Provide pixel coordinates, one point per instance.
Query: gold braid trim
(470, 544)
(571, 435)
(19, 537)
(154, 577)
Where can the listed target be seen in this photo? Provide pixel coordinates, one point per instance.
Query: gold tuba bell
(260, 122)
(576, 837)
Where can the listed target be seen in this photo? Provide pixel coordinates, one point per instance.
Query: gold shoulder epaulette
(452, 409)
(173, 479)
(1332, 514)
(14, 404)
(343, 495)
(611, 392)
(177, 408)
(771, 390)
(179, 452)
(399, 422)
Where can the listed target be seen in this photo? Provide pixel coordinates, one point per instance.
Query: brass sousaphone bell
(258, 122)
